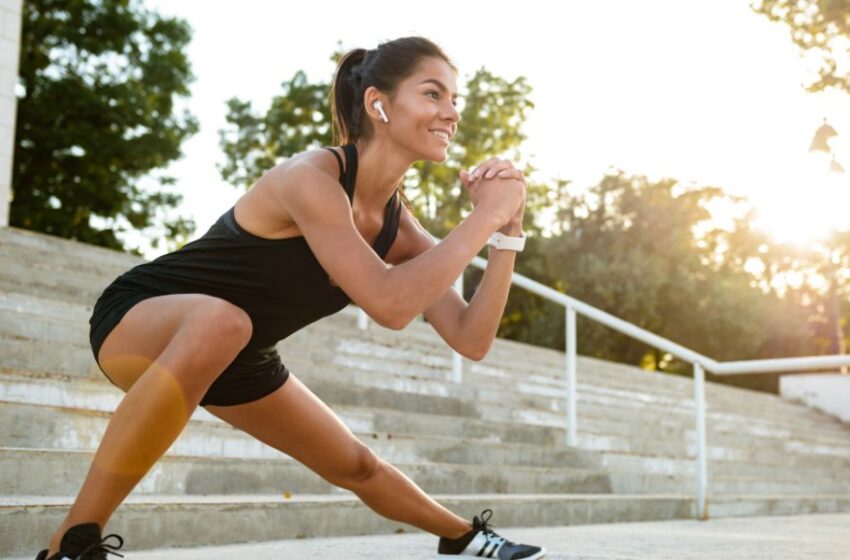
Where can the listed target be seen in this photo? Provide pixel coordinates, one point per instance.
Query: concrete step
(72, 359)
(350, 349)
(69, 360)
(34, 471)
(418, 332)
(726, 485)
(37, 243)
(354, 386)
(18, 242)
(350, 387)
(26, 326)
(156, 521)
(101, 396)
(511, 360)
(45, 308)
(778, 537)
(24, 278)
(366, 352)
(147, 523)
(104, 397)
(590, 411)
(55, 263)
(60, 472)
(619, 462)
(25, 425)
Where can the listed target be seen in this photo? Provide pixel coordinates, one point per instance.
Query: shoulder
(316, 159)
(307, 179)
(301, 172)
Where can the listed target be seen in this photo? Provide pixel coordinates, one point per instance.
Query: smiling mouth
(442, 137)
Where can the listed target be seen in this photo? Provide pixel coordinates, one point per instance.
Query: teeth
(440, 133)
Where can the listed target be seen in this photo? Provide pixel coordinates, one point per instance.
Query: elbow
(394, 324)
(394, 318)
(475, 354)
(395, 315)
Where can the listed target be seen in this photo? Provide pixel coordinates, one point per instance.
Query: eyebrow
(439, 84)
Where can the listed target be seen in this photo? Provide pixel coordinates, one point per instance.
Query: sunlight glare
(805, 208)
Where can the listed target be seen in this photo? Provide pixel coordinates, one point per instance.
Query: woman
(199, 326)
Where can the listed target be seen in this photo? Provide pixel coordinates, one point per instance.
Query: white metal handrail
(700, 363)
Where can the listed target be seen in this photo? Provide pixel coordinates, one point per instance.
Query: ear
(371, 95)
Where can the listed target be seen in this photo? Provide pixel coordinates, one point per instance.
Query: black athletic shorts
(253, 374)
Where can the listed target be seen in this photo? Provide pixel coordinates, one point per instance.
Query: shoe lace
(488, 531)
(101, 549)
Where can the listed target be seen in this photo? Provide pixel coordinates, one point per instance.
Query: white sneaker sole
(537, 556)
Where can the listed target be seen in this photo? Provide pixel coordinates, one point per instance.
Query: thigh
(144, 332)
(295, 421)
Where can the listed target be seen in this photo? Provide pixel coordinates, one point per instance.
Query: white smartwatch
(502, 241)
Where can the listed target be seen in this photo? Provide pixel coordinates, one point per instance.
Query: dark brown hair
(384, 67)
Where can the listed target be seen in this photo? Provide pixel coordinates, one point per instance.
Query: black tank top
(278, 282)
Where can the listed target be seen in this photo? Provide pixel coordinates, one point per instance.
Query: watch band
(501, 241)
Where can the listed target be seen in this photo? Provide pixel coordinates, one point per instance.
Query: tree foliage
(646, 253)
(98, 81)
(820, 28)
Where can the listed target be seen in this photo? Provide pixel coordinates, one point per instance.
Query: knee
(225, 324)
(362, 467)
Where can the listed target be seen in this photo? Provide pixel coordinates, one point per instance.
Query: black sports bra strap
(339, 161)
(350, 169)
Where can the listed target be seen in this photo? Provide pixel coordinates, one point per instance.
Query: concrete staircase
(496, 440)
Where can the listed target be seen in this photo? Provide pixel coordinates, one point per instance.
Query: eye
(437, 95)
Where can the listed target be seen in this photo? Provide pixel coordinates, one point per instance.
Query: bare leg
(296, 422)
(148, 420)
(393, 495)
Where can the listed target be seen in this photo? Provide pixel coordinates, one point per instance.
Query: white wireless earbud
(380, 108)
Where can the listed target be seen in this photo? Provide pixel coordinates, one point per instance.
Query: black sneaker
(83, 542)
(483, 542)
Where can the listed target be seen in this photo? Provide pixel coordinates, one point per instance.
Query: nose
(452, 114)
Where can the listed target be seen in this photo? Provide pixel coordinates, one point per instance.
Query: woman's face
(425, 103)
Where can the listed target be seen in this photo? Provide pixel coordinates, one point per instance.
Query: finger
(469, 181)
(483, 167)
(502, 166)
(465, 178)
(512, 173)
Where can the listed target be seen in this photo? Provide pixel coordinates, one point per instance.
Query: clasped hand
(496, 169)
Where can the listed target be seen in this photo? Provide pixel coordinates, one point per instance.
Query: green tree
(629, 247)
(298, 119)
(98, 81)
(817, 27)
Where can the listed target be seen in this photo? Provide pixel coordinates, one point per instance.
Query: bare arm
(391, 296)
(469, 329)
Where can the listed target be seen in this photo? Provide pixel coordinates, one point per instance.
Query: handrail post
(571, 376)
(457, 359)
(702, 465)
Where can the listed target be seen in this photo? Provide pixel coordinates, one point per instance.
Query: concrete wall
(10, 43)
(829, 393)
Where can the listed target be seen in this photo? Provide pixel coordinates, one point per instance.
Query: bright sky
(703, 91)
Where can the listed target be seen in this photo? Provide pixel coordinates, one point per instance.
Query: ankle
(56, 540)
(466, 528)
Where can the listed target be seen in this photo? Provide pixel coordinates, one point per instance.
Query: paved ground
(821, 537)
